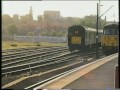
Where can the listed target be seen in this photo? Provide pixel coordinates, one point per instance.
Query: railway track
(31, 55)
(33, 65)
(54, 63)
(22, 50)
(51, 78)
(14, 53)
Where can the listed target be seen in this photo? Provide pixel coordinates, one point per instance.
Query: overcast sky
(67, 8)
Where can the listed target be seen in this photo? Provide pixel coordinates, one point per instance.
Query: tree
(90, 21)
(73, 20)
(102, 23)
(12, 29)
(7, 20)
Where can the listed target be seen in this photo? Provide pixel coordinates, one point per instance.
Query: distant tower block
(16, 18)
(114, 17)
(105, 18)
(31, 13)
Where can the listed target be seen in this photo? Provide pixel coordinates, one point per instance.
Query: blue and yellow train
(110, 38)
(82, 38)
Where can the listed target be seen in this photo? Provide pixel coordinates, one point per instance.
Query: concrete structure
(16, 18)
(52, 14)
(98, 75)
(31, 13)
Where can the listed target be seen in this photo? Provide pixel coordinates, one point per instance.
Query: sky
(71, 8)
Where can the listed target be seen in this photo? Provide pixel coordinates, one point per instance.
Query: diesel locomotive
(110, 38)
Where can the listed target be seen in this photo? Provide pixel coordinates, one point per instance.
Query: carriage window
(90, 35)
(118, 31)
(76, 32)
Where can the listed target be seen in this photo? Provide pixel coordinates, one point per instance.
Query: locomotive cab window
(110, 31)
(117, 31)
(113, 31)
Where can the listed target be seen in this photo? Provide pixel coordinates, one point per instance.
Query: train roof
(92, 29)
(87, 28)
(111, 24)
(74, 27)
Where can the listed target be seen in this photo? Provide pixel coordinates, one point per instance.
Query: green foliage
(14, 45)
(30, 34)
(73, 20)
(12, 29)
(90, 21)
(102, 23)
(7, 20)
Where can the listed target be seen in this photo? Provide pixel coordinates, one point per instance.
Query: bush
(12, 29)
(14, 45)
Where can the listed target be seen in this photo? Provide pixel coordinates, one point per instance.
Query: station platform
(102, 78)
(98, 75)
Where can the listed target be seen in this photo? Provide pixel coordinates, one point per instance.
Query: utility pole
(97, 25)
(99, 15)
(97, 34)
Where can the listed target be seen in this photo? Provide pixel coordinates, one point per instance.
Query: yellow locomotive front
(110, 39)
(76, 40)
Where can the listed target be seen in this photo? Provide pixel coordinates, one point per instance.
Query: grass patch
(16, 44)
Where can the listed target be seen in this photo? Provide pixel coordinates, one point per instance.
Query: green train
(82, 38)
